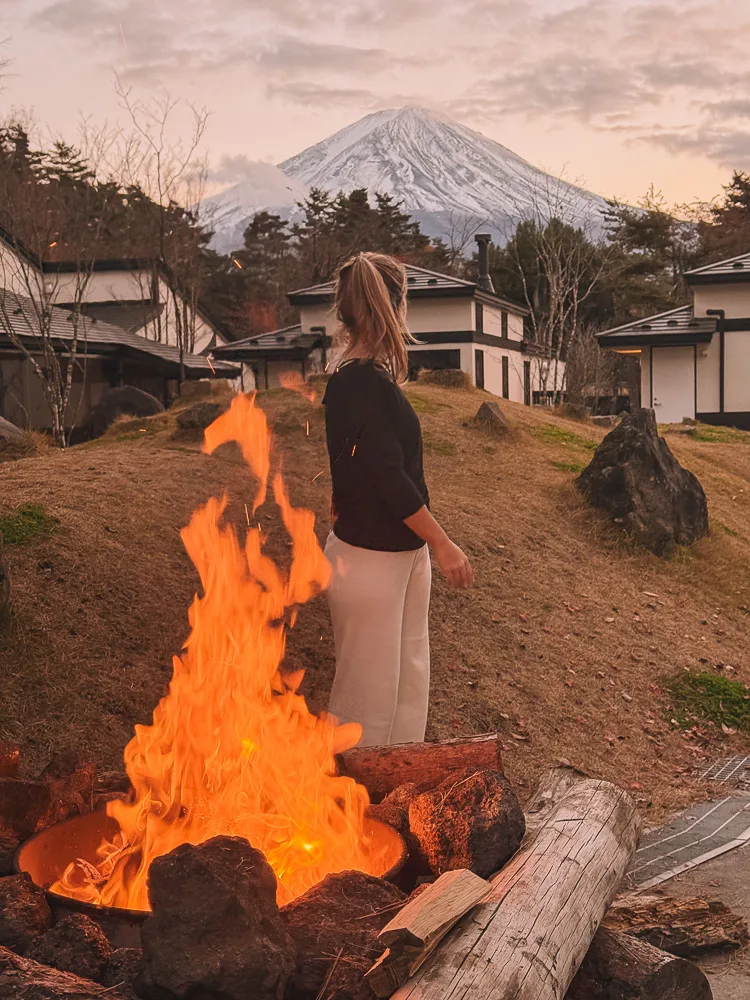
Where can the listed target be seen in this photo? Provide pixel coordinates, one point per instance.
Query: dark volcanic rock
(71, 780)
(215, 930)
(490, 417)
(638, 481)
(394, 809)
(471, 820)
(125, 400)
(201, 415)
(75, 944)
(124, 969)
(24, 913)
(23, 979)
(335, 927)
(24, 806)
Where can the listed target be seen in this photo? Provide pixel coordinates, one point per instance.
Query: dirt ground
(561, 646)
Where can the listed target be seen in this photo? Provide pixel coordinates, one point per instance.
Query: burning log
(335, 926)
(619, 967)
(215, 928)
(531, 934)
(680, 926)
(382, 769)
(471, 820)
(24, 913)
(75, 944)
(412, 936)
(23, 979)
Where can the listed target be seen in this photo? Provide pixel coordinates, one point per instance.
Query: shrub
(446, 378)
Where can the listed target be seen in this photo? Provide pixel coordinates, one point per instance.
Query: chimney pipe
(484, 281)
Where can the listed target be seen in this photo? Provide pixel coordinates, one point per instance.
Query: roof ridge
(718, 263)
(647, 319)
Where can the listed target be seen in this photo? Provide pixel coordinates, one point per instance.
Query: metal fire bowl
(46, 856)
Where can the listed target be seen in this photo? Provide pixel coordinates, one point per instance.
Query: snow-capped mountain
(446, 175)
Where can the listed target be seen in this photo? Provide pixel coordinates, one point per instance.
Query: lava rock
(24, 806)
(124, 970)
(199, 416)
(24, 913)
(215, 929)
(491, 418)
(24, 979)
(471, 820)
(9, 431)
(335, 926)
(638, 481)
(394, 809)
(124, 400)
(75, 944)
(71, 780)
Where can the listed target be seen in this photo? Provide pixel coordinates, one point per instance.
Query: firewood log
(23, 979)
(414, 933)
(553, 785)
(620, 967)
(527, 939)
(381, 769)
(684, 927)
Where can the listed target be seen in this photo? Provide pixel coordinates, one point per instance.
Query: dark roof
(676, 327)
(289, 342)
(421, 283)
(97, 337)
(722, 272)
(128, 315)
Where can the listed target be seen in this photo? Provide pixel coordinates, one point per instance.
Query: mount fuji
(450, 178)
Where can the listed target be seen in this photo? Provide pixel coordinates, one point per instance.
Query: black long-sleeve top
(375, 451)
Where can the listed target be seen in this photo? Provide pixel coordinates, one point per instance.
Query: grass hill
(573, 644)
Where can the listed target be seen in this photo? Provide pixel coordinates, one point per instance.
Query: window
(479, 313)
(527, 383)
(479, 369)
(506, 378)
(504, 321)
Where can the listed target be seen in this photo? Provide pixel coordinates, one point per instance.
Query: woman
(380, 589)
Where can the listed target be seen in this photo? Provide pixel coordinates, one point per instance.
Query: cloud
(298, 55)
(729, 148)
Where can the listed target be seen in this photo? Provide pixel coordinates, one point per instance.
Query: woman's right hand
(454, 563)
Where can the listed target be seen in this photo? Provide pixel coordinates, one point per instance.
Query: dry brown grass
(32, 443)
(560, 646)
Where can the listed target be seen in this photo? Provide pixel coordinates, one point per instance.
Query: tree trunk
(619, 967)
(381, 769)
(529, 938)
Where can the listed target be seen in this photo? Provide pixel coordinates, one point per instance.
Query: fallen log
(680, 926)
(553, 786)
(382, 769)
(414, 933)
(528, 938)
(620, 967)
(23, 979)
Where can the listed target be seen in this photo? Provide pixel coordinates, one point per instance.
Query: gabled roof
(421, 283)
(676, 327)
(97, 337)
(722, 271)
(290, 342)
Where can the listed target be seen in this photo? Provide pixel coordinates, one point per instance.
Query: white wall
(733, 299)
(493, 322)
(673, 372)
(736, 371)
(708, 376)
(493, 372)
(423, 316)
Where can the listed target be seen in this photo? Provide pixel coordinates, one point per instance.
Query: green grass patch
(574, 467)
(434, 446)
(422, 404)
(703, 697)
(26, 524)
(559, 435)
(718, 435)
(726, 529)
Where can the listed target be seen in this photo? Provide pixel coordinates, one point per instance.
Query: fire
(232, 748)
(295, 382)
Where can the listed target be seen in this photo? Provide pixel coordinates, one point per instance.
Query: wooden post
(528, 938)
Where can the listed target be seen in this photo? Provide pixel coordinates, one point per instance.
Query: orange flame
(233, 749)
(295, 383)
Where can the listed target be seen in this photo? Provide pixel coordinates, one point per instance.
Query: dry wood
(22, 979)
(528, 938)
(679, 926)
(414, 933)
(620, 967)
(381, 769)
(553, 786)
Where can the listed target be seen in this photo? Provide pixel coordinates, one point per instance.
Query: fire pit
(46, 856)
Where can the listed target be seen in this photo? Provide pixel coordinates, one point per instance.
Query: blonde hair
(370, 303)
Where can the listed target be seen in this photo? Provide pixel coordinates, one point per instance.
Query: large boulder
(491, 418)
(75, 944)
(123, 401)
(335, 926)
(638, 481)
(9, 431)
(199, 416)
(24, 913)
(470, 820)
(215, 929)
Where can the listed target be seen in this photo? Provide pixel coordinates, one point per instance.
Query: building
(459, 324)
(695, 360)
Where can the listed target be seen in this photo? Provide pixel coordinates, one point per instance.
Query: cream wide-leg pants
(379, 605)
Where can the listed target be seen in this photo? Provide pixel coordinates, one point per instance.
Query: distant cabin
(695, 360)
(458, 324)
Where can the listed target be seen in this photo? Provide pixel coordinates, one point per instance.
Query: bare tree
(590, 372)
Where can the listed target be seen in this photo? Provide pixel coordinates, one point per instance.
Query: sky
(614, 94)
